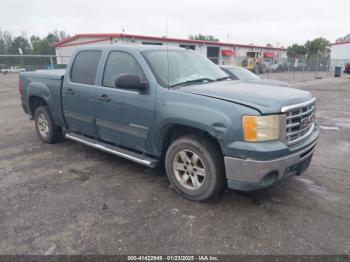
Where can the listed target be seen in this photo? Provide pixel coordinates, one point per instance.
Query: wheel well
(176, 131)
(35, 102)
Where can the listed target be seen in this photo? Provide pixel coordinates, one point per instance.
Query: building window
(151, 43)
(192, 47)
(213, 53)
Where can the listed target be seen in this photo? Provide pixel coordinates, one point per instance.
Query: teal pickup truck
(154, 105)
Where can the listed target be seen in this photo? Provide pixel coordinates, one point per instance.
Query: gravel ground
(297, 76)
(71, 199)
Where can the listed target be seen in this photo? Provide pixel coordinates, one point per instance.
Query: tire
(262, 68)
(204, 158)
(45, 127)
(256, 69)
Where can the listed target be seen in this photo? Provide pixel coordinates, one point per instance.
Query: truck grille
(300, 120)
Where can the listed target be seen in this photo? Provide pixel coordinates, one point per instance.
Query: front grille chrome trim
(287, 108)
(294, 131)
(302, 137)
(298, 131)
(301, 114)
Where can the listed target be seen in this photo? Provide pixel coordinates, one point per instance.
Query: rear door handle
(104, 98)
(69, 91)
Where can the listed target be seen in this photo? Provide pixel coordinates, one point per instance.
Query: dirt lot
(70, 199)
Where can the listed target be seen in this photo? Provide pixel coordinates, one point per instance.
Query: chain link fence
(296, 69)
(286, 69)
(15, 63)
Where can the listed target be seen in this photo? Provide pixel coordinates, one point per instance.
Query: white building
(341, 50)
(340, 54)
(218, 52)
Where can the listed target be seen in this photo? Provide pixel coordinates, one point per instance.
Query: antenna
(167, 49)
(123, 34)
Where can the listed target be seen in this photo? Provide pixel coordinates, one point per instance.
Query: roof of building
(105, 37)
(138, 47)
(341, 43)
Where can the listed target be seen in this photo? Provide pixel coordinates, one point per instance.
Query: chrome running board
(115, 150)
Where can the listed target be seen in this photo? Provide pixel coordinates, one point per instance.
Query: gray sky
(245, 21)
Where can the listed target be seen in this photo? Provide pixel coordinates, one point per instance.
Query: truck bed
(47, 74)
(47, 85)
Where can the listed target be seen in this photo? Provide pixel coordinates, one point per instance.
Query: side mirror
(130, 81)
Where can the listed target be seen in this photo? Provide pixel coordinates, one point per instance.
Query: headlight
(261, 128)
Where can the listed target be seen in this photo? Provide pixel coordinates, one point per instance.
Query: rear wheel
(195, 167)
(46, 129)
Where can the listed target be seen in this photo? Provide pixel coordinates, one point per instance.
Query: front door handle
(69, 91)
(104, 98)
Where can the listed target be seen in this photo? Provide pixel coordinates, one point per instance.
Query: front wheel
(194, 166)
(45, 127)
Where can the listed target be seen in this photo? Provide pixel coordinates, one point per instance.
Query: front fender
(200, 117)
(220, 119)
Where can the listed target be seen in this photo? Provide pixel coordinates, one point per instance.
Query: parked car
(153, 104)
(347, 68)
(12, 69)
(240, 73)
(278, 67)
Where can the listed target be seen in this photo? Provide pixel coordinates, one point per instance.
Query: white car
(242, 74)
(12, 69)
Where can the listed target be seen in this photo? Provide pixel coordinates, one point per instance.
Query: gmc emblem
(306, 121)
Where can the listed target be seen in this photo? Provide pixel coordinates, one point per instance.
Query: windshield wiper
(199, 80)
(223, 78)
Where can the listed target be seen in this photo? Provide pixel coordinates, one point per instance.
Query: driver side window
(119, 63)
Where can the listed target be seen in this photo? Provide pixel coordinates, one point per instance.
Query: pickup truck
(154, 105)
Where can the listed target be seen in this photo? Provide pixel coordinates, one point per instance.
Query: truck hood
(265, 98)
(268, 82)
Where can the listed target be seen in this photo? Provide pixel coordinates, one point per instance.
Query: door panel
(124, 117)
(78, 108)
(78, 94)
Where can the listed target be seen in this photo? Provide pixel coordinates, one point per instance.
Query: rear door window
(84, 67)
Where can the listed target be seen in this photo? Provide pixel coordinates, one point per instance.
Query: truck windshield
(182, 67)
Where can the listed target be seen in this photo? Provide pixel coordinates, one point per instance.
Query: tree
(342, 39)
(19, 45)
(3, 47)
(56, 36)
(296, 51)
(52, 38)
(319, 47)
(6, 39)
(203, 37)
(269, 45)
(35, 45)
(41, 46)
